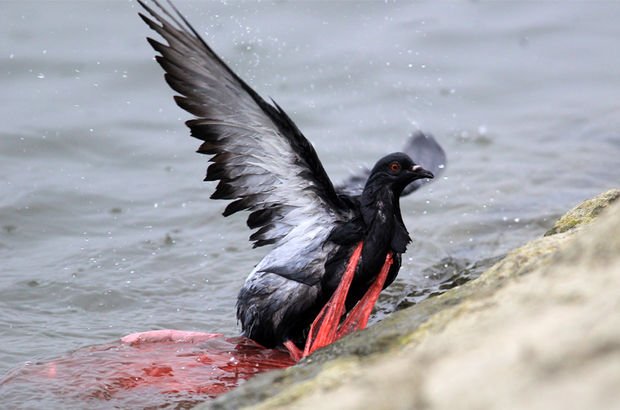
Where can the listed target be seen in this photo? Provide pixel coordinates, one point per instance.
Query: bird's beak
(421, 172)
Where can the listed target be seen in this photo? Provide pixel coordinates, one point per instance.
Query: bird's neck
(377, 202)
(380, 207)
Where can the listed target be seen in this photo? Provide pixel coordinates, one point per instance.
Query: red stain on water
(151, 372)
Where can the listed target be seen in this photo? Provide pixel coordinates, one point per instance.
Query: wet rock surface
(585, 212)
(538, 329)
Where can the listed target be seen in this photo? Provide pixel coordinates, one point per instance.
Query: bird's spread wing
(261, 159)
(422, 148)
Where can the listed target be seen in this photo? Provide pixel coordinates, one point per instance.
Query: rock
(539, 329)
(585, 212)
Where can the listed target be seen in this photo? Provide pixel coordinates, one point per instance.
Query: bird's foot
(295, 352)
(167, 335)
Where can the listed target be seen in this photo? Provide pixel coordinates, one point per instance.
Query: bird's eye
(395, 167)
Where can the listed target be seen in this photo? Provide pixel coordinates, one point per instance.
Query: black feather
(263, 216)
(215, 171)
(238, 205)
(258, 235)
(224, 190)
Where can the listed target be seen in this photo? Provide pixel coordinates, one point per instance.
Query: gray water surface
(105, 224)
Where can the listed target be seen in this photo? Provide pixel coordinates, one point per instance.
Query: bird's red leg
(293, 350)
(358, 316)
(325, 327)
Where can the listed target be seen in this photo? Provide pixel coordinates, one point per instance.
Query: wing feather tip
(215, 171)
(263, 242)
(157, 46)
(262, 216)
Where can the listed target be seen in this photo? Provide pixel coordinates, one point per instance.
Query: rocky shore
(540, 329)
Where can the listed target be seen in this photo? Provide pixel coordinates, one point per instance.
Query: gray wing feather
(260, 158)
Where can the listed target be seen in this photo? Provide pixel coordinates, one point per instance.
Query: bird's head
(396, 170)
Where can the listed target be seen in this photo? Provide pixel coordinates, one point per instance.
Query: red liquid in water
(152, 373)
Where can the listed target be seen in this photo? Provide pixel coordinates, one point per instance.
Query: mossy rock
(585, 212)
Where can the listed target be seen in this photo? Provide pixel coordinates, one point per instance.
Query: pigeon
(333, 247)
